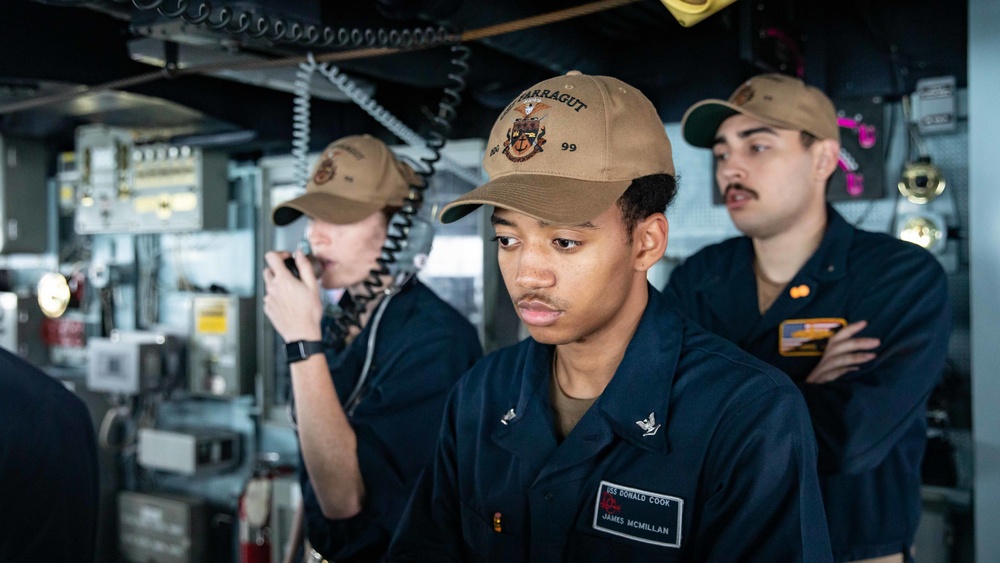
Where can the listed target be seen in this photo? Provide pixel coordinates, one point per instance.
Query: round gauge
(921, 183)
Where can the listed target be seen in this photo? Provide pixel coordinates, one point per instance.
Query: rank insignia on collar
(649, 425)
(509, 416)
(799, 291)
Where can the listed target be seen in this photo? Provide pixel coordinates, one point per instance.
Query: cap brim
(701, 121)
(553, 199)
(325, 207)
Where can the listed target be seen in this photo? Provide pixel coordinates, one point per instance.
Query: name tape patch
(807, 337)
(638, 515)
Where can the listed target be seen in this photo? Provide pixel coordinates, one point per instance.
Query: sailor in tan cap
(367, 406)
(619, 431)
(859, 320)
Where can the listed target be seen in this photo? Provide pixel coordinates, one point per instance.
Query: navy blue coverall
(695, 451)
(422, 347)
(870, 424)
(48, 468)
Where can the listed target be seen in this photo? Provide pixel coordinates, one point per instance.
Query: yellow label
(66, 193)
(211, 318)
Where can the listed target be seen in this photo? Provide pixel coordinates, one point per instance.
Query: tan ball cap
(567, 148)
(353, 178)
(775, 99)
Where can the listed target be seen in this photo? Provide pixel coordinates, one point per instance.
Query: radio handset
(317, 266)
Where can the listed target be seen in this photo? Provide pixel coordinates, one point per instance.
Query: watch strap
(302, 349)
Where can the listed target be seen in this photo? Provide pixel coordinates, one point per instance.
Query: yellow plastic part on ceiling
(690, 12)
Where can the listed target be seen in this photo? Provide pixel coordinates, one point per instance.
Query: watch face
(296, 351)
(301, 349)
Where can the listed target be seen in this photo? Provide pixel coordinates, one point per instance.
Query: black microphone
(317, 266)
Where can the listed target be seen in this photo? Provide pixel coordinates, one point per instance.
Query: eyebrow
(494, 220)
(744, 134)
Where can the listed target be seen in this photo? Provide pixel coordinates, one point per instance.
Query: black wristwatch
(302, 349)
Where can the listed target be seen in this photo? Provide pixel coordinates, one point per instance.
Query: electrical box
(20, 327)
(24, 196)
(934, 106)
(104, 179)
(223, 361)
(147, 188)
(161, 529)
(131, 363)
(188, 450)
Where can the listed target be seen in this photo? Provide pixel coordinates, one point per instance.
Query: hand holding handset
(317, 266)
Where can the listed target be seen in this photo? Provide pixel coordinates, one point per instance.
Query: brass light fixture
(53, 294)
(925, 230)
(921, 181)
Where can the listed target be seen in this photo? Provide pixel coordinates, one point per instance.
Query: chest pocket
(591, 545)
(628, 524)
(484, 543)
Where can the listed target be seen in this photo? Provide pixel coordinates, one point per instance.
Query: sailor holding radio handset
(368, 402)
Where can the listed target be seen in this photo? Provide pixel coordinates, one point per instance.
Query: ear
(827, 156)
(650, 241)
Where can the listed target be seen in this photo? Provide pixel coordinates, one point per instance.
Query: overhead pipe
(558, 47)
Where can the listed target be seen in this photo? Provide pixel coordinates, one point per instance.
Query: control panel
(146, 188)
(161, 529)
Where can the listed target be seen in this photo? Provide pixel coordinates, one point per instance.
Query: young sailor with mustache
(859, 320)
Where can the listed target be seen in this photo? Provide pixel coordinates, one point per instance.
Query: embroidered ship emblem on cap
(527, 134)
(743, 95)
(326, 169)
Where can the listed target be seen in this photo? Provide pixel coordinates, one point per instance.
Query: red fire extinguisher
(254, 513)
(255, 508)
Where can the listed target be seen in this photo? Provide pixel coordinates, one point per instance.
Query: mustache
(540, 298)
(741, 187)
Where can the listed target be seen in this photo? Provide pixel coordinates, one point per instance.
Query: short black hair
(645, 196)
